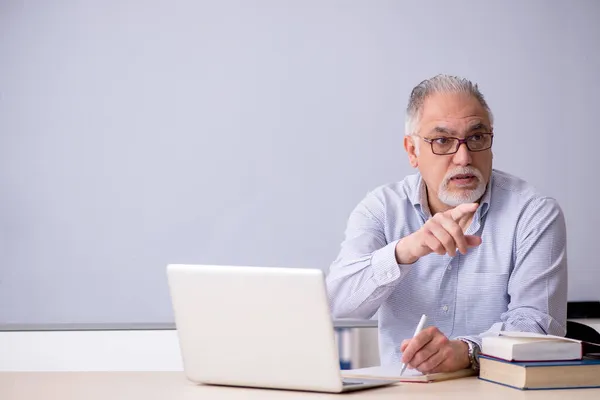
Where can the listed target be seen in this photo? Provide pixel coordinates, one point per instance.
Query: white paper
(392, 371)
(411, 372)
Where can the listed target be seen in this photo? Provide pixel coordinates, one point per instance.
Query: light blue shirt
(515, 280)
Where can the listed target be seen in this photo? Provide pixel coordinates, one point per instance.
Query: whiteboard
(136, 134)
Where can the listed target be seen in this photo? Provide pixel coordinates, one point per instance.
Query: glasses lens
(479, 142)
(443, 145)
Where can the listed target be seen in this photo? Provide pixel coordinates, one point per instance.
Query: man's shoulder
(518, 190)
(503, 181)
(399, 191)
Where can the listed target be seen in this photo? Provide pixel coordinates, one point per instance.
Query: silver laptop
(257, 327)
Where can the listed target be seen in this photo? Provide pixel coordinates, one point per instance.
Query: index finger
(462, 210)
(403, 345)
(415, 344)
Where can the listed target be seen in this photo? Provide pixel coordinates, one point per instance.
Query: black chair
(585, 333)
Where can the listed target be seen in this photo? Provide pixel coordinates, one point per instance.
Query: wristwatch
(474, 351)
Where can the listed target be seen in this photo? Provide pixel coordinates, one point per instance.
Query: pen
(419, 329)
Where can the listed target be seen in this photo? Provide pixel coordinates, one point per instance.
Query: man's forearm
(521, 320)
(357, 286)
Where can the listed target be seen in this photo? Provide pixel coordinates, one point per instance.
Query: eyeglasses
(450, 145)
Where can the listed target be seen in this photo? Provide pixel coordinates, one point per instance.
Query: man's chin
(457, 197)
(454, 202)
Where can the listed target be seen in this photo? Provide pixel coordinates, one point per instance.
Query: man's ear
(411, 150)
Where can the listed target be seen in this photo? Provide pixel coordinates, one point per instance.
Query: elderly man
(473, 248)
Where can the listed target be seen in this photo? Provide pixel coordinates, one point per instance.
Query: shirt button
(389, 275)
(445, 308)
(449, 267)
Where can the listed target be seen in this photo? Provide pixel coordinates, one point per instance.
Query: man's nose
(462, 156)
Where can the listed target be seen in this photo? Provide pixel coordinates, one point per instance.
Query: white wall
(122, 350)
(90, 351)
(131, 350)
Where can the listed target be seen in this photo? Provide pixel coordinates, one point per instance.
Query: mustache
(463, 171)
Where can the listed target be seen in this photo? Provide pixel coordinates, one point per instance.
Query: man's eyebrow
(444, 130)
(478, 126)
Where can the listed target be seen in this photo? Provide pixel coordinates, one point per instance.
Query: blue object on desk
(344, 342)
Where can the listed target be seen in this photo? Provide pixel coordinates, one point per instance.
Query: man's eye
(441, 140)
(476, 138)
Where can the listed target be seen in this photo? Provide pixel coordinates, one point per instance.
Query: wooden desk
(174, 386)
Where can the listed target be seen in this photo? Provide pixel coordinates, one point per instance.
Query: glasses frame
(459, 141)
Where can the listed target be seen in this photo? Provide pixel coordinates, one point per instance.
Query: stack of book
(533, 361)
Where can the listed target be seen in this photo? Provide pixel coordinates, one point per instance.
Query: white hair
(438, 84)
(467, 196)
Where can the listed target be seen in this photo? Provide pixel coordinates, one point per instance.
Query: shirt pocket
(486, 297)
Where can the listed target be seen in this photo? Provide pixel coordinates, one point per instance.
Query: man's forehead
(453, 110)
(452, 105)
(457, 129)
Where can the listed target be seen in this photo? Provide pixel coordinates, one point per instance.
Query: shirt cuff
(474, 339)
(385, 268)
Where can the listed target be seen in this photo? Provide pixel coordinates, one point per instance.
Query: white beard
(461, 196)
